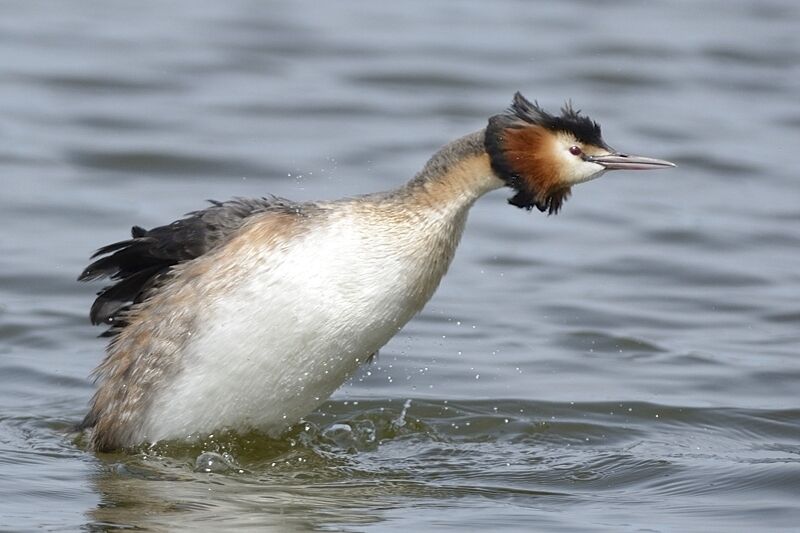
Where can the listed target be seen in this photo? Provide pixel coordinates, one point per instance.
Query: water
(629, 365)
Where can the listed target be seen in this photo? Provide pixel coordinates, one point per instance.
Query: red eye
(575, 150)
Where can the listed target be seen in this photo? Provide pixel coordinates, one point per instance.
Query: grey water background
(628, 365)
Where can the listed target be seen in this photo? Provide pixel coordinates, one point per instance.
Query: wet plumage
(250, 313)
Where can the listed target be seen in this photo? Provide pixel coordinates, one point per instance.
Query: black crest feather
(571, 121)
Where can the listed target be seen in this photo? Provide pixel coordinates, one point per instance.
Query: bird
(248, 314)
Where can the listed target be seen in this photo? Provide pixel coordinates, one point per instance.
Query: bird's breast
(293, 319)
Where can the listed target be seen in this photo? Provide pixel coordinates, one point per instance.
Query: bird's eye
(575, 150)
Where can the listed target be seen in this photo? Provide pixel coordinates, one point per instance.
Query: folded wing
(138, 264)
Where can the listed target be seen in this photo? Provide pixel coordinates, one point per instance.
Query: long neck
(457, 175)
(427, 215)
(416, 228)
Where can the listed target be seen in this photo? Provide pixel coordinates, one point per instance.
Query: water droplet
(212, 462)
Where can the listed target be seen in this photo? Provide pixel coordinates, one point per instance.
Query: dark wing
(137, 264)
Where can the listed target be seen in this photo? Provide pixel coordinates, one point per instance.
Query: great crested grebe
(250, 313)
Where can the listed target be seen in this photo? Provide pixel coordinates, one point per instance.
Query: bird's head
(542, 156)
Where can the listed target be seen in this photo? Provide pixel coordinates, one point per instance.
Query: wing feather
(137, 264)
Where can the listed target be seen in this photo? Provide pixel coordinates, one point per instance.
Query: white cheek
(576, 170)
(585, 171)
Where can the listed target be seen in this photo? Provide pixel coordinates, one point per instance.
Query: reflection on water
(629, 364)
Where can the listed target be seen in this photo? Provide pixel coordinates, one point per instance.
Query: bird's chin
(597, 171)
(590, 177)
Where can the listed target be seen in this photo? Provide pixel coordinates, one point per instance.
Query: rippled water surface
(628, 365)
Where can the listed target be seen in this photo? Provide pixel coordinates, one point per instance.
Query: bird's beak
(618, 161)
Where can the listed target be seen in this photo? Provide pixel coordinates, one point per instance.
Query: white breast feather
(302, 318)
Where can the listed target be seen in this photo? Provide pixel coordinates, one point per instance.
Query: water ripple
(630, 364)
(154, 162)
